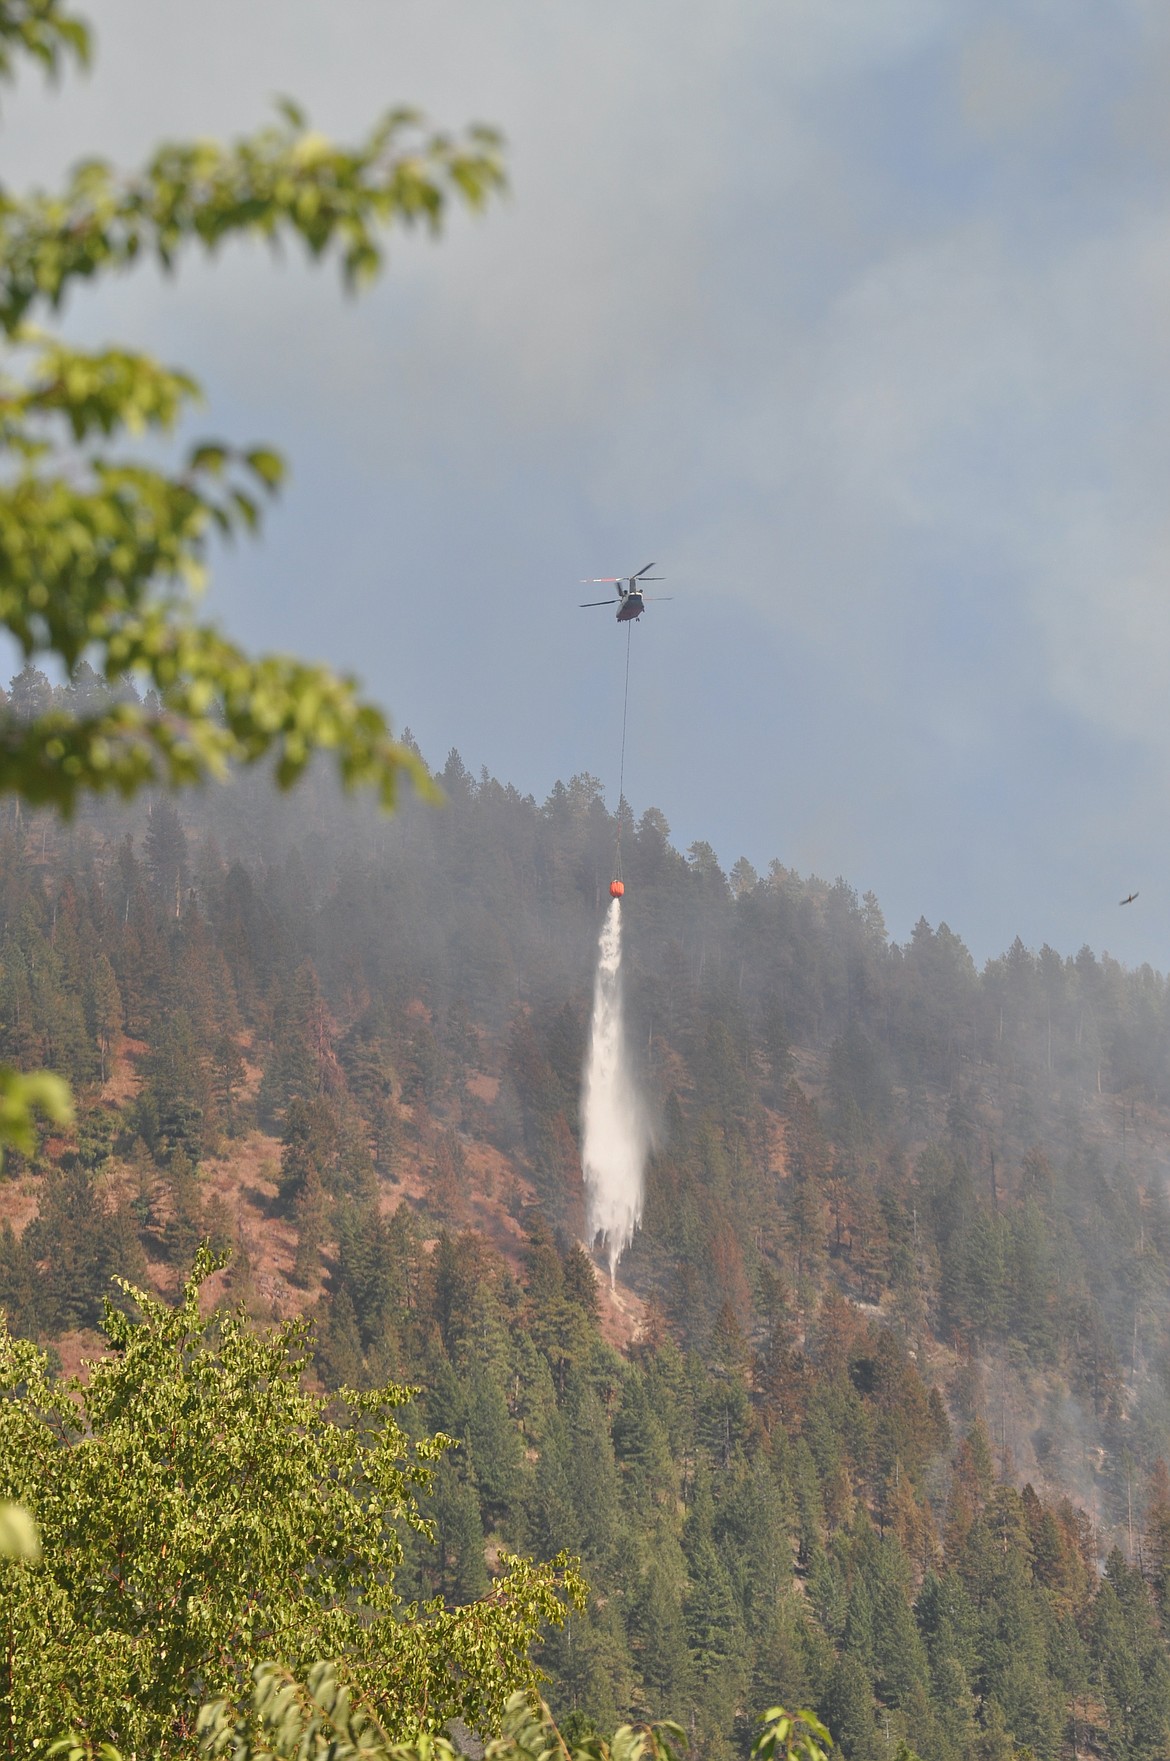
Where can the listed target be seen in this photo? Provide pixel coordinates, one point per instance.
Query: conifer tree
(309, 1215)
(659, 1640)
(495, 1442)
(713, 1617)
(186, 1223)
(78, 1241)
(460, 1574)
(1157, 1529)
(103, 1009)
(20, 1284)
(592, 1479)
(847, 1708)
(166, 856)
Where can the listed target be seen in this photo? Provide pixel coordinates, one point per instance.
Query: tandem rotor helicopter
(630, 601)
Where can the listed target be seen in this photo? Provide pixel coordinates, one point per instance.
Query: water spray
(615, 1138)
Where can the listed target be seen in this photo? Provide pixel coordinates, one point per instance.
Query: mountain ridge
(902, 1281)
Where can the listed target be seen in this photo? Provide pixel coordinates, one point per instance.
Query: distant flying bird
(1129, 900)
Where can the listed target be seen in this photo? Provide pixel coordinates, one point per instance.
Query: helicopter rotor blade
(585, 604)
(602, 580)
(644, 571)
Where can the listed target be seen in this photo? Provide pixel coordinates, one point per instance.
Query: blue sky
(854, 315)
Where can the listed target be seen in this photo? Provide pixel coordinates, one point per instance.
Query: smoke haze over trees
(881, 1426)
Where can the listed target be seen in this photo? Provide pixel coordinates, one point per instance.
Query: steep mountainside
(875, 1415)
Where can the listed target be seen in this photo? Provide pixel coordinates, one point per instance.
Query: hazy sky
(853, 315)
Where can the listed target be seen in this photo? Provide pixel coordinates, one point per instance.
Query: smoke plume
(615, 1138)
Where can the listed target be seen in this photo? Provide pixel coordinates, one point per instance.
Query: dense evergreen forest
(876, 1418)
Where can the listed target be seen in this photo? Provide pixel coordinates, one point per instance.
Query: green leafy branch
(18, 1534)
(791, 1736)
(24, 1095)
(324, 1719)
(215, 706)
(285, 180)
(199, 1511)
(95, 391)
(44, 30)
(100, 553)
(93, 551)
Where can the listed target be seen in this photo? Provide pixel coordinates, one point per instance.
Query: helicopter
(630, 601)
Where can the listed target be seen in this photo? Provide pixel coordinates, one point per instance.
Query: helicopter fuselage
(630, 601)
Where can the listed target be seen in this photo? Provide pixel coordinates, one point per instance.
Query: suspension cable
(622, 772)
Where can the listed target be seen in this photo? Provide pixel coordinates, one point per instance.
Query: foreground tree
(322, 1719)
(100, 553)
(198, 1512)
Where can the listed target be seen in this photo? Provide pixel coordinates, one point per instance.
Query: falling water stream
(615, 1138)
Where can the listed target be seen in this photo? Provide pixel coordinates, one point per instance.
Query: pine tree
(900, 1672)
(20, 1294)
(659, 1640)
(495, 1443)
(591, 1663)
(790, 1663)
(339, 1355)
(592, 1480)
(308, 1146)
(79, 1243)
(847, 1708)
(461, 1575)
(580, 1280)
(182, 1196)
(103, 1009)
(30, 694)
(1157, 1529)
(713, 1617)
(303, 1062)
(166, 855)
(552, 1519)
(310, 1219)
(1130, 1665)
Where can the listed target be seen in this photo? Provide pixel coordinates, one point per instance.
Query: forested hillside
(876, 1417)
